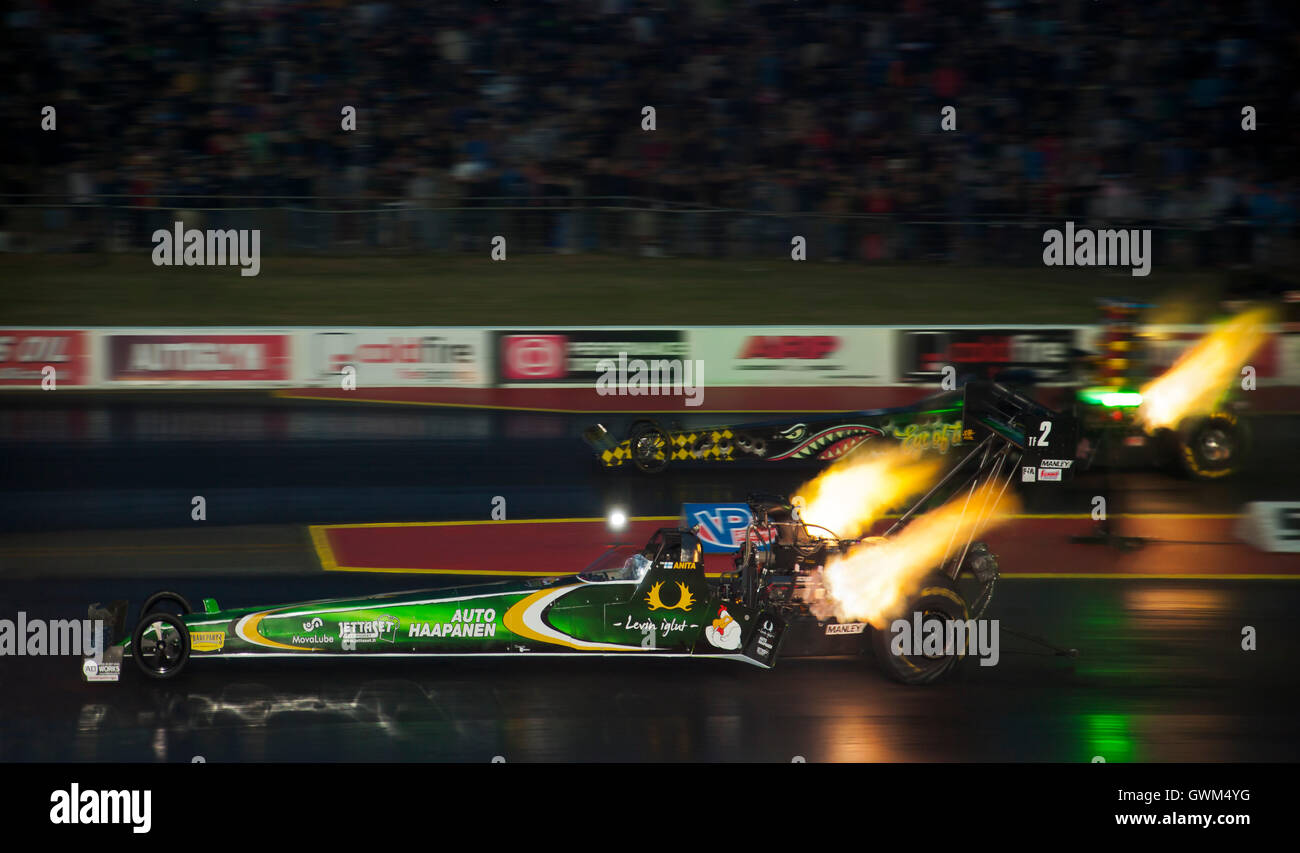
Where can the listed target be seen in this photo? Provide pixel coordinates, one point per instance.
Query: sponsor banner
(844, 356)
(107, 668)
(1271, 526)
(812, 355)
(984, 352)
(385, 358)
(534, 357)
(721, 527)
(207, 641)
(24, 354)
(193, 357)
(570, 357)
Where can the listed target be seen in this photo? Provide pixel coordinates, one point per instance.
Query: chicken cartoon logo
(724, 633)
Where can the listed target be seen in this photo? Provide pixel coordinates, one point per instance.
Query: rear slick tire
(1213, 447)
(937, 601)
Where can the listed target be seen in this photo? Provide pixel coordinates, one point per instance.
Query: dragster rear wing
(1047, 439)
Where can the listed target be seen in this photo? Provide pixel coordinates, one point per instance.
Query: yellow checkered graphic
(681, 444)
(617, 456)
(685, 441)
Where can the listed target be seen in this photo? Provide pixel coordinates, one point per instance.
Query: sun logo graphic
(684, 600)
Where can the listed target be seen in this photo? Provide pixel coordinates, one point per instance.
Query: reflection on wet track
(1161, 676)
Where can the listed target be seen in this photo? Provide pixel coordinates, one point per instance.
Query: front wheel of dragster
(166, 596)
(649, 445)
(1213, 446)
(161, 645)
(938, 602)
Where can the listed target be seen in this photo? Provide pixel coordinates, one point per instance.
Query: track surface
(96, 497)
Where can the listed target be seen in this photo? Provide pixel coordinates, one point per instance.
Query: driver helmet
(636, 566)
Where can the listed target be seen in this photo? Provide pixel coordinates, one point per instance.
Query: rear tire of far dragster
(938, 599)
(648, 441)
(165, 595)
(163, 659)
(1214, 446)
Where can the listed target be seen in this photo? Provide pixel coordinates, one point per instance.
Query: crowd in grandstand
(1103, 111)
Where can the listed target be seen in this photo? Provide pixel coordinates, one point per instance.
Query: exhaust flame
(850, 495)
(873, 581)
(1193, 384)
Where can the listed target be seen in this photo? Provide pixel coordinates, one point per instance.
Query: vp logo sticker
(721, 526)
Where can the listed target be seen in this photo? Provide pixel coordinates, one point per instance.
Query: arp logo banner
(721, 526)
(795, 356)
(807, 347)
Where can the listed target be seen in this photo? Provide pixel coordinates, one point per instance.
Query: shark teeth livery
(831, 443)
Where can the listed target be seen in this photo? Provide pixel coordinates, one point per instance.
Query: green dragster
(655, 601)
